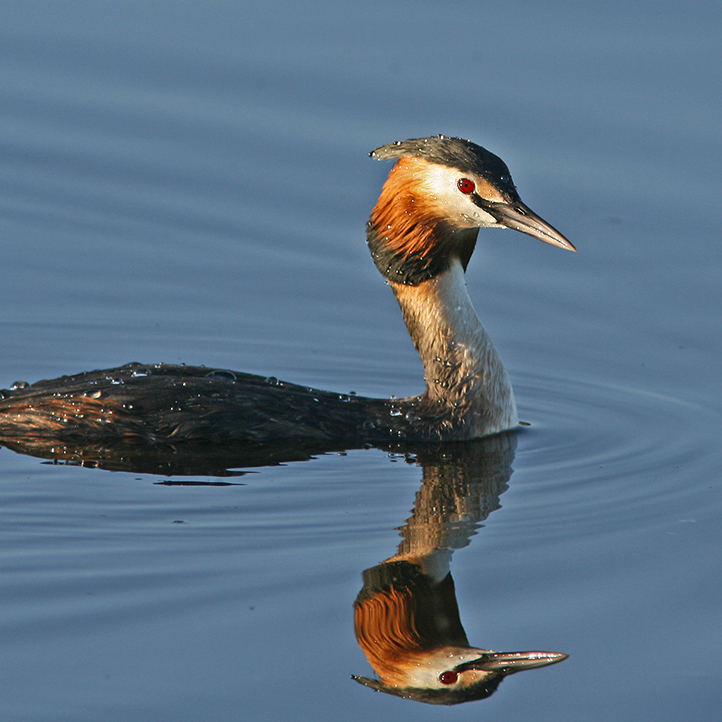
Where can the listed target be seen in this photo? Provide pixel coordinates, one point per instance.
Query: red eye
(449, 677)
(466, 186)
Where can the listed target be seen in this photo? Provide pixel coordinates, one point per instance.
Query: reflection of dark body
(406, 616)
(422, 233)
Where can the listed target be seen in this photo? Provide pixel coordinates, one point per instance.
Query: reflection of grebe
(406, 617)
(421, 234)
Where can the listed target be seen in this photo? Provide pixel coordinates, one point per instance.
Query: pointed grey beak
(509, 662)
(520, 217)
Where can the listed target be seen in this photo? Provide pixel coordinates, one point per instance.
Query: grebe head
(437, 196)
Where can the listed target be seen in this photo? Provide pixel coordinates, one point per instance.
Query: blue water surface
(190, 183)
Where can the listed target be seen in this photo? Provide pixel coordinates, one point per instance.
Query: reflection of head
(408, 627)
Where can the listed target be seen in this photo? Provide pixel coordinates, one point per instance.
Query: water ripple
(591, 445)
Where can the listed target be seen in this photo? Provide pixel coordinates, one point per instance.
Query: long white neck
(462, 368)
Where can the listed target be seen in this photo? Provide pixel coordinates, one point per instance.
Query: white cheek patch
(441, 190)
(440, 183)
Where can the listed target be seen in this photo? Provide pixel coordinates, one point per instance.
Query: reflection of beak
(520, 217)
(510, 662)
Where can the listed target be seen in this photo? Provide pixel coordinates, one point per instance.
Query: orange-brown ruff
(411, 218)
(421, 235)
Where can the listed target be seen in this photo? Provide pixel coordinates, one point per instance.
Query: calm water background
(188, 182)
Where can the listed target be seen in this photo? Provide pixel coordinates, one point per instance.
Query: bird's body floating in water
(421, 234)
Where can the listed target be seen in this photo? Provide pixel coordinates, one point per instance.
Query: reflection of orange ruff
(400, 615)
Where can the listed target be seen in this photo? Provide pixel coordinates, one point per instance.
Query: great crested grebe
(421, 234)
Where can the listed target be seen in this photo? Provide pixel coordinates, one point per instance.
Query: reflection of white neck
(462, 368)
